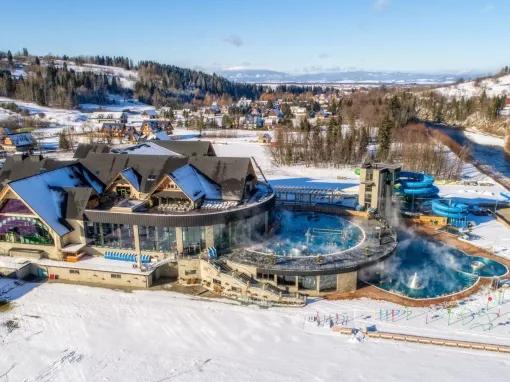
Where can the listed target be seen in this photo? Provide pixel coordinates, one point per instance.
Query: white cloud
(234, 40)
(381, 5)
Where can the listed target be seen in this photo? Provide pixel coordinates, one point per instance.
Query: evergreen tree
(64, 142)
(384, 138)
(9, 57)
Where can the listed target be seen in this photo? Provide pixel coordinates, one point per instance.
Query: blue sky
(287, 35)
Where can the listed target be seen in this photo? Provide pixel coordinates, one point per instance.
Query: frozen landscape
(60, 332)
(234, 191)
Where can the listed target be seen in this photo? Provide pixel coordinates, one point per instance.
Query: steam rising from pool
(422, 268)
(311, 234)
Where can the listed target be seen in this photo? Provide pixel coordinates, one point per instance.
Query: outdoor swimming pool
(422, 268)
(311, 234)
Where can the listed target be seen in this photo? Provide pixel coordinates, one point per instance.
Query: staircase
(242, 286)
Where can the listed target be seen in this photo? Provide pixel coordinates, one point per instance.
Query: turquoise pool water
(422, 268)
(310, 234)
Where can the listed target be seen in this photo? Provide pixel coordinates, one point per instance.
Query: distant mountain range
(264, 76)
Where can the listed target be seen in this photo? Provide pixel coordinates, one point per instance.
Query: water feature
(311, 234)
(422, 268)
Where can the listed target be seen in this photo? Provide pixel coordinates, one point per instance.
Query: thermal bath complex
(173, 210)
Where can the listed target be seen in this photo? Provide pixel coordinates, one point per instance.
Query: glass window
(24, 230)
(110, 235)
(307, 282)
(221, 236)
(327, 282)
(193, 238)
(158, 239)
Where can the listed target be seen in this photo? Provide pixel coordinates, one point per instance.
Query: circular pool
(302, 234)
(422, 268)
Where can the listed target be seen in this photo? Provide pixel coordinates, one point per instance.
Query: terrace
(378, 242)
(164, 204)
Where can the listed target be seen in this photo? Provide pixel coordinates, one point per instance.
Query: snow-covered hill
(127, 78)
(494, 86)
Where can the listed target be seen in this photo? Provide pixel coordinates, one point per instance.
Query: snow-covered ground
(127, 78)
(61, 332)
(492, 86)
(61, 117)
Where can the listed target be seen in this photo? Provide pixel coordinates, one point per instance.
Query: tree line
(49, 85)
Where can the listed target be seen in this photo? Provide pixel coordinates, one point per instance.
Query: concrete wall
(347, 282)
(16, 249)
(93, 276)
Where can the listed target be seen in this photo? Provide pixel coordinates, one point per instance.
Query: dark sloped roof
(229, 173)
(77, 199)
(47, 193)
(22, 166)
(150, 168)
(188, 148)
(84, 148)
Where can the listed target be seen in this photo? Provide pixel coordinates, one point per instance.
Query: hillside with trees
(168, 85)
(49, 84)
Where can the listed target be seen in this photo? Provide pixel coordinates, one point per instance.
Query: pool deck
(375, 293)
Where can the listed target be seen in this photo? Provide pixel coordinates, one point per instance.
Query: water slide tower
(377, 182)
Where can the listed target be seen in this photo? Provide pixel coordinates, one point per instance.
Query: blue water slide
(449, 209)
(417, 184)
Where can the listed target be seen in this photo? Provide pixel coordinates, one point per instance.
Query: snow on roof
(212, 190)
(45, 193)
(149, 148)
(107, 115)
(194, 184)
(132, 177)
(161, 136)
(21, 139)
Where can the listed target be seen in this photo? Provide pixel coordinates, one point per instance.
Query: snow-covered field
(492, 86)
(61, 117)
(61, 332)
(127, 78)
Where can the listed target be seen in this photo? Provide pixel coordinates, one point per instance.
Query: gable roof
(22, 166)
(84, 148)
(132, 177)
(188, 148)
(47, 193)
(150, 168)
(229, 173)
(77, 199)
(147, 148)
(194, 184)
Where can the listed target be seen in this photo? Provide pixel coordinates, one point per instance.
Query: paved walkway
(429, 340)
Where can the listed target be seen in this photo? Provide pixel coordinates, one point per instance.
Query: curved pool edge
(377, 293)
(425, 299)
